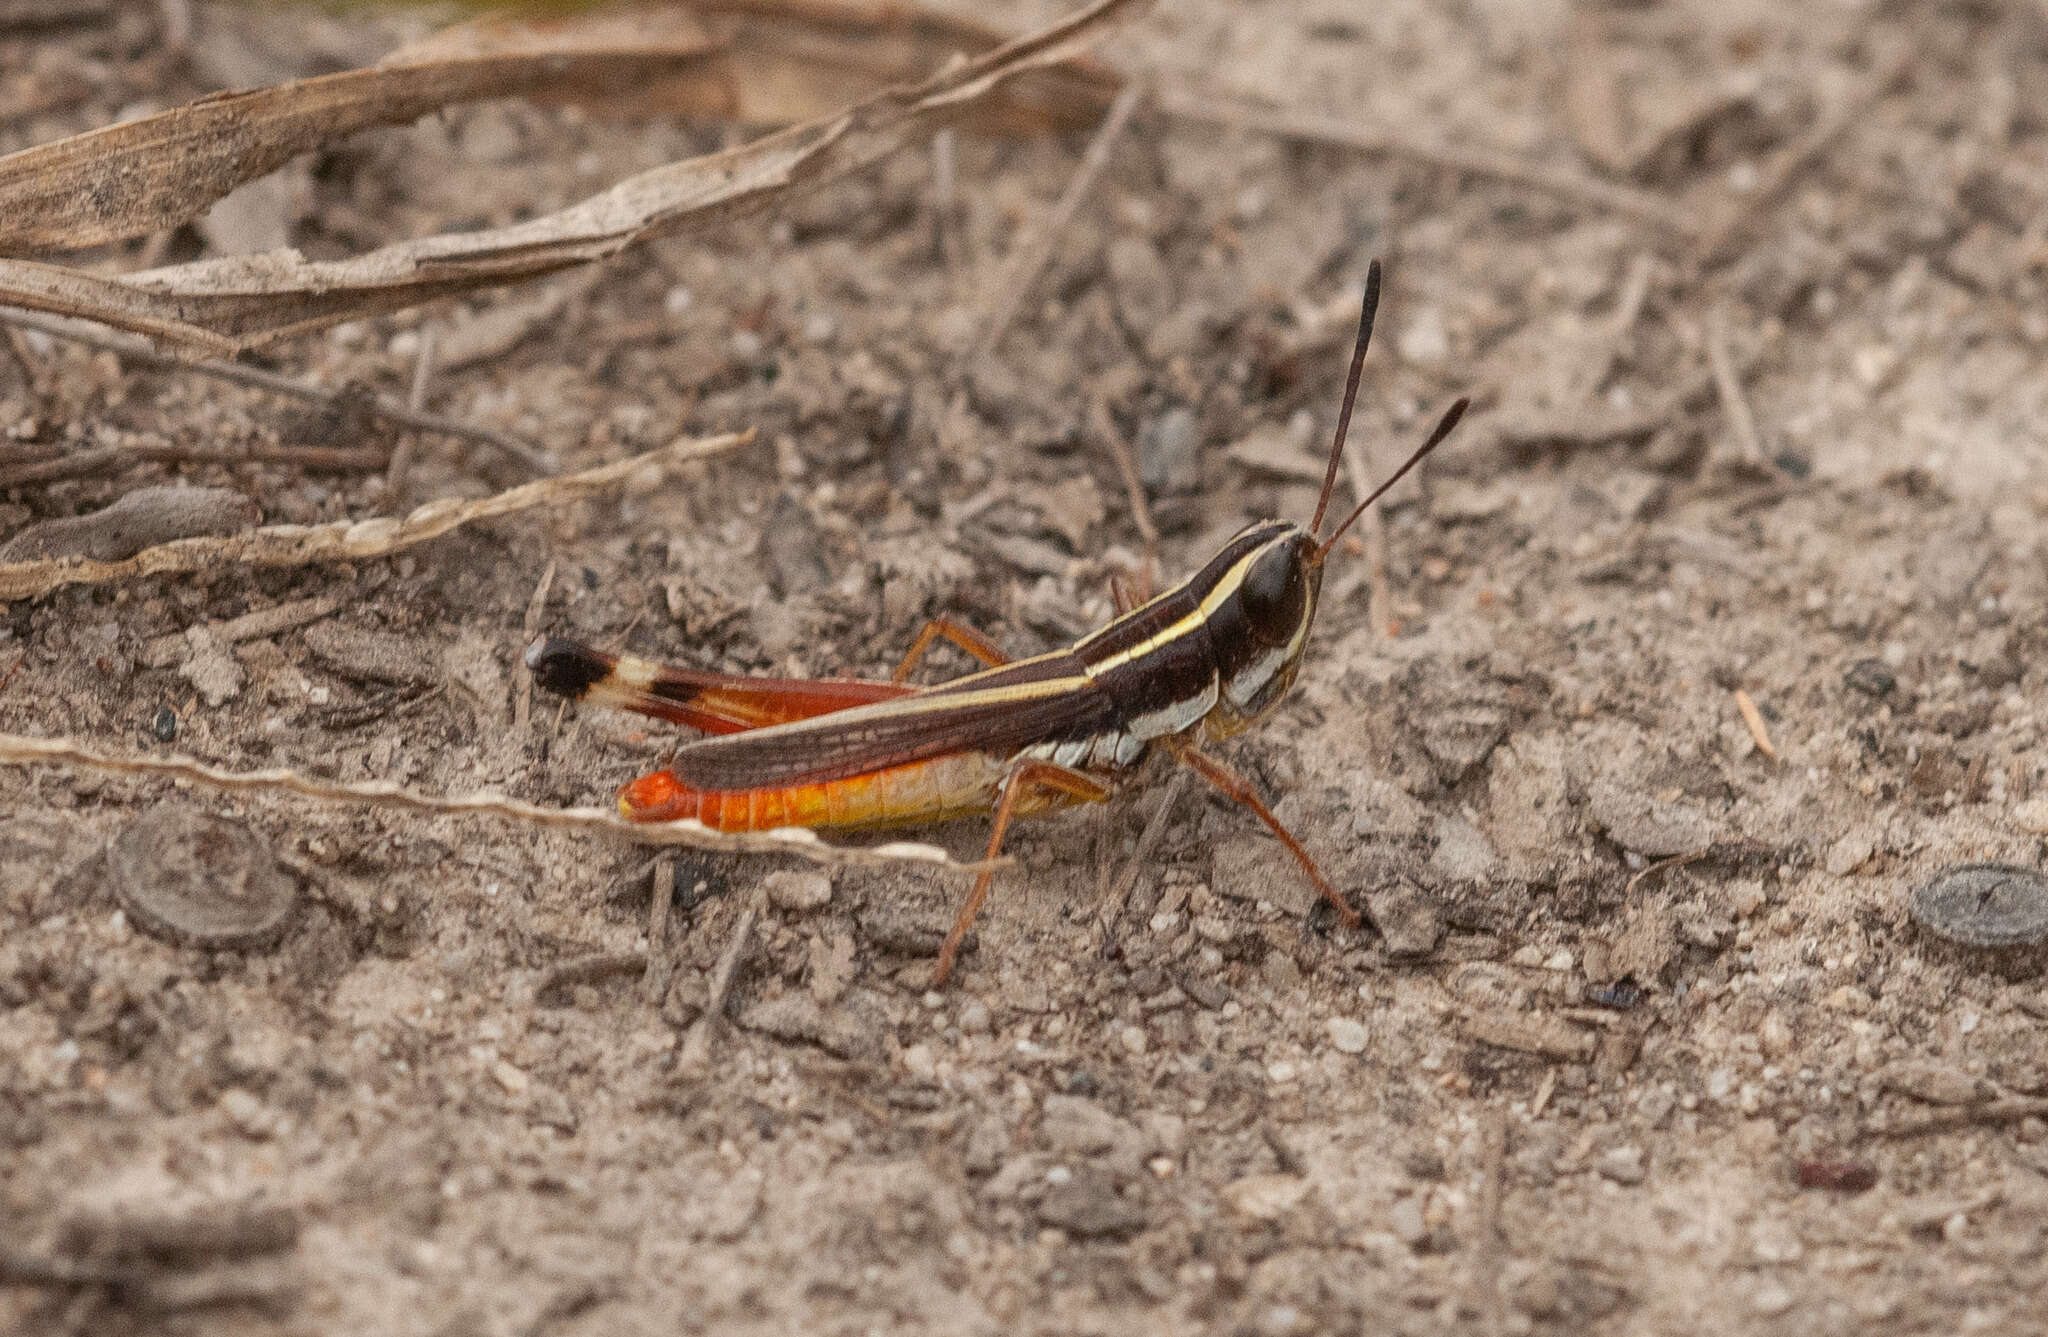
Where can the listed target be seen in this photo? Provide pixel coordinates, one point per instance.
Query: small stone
(1623, 1165)
(1529, 957)
(192, 878)
(1463, 853)
(2032, 816)
(1077, 1126)
(1770, 1299)
(1133, 1040)
(214, 673)
(798, 890)
(1850, 853)
(1654, 828)
(1775, 1242)
(1347, 1034)
(1087, 1207)
(920, 1062)
(1871, 677)
(1407, 1224)
(1169, 453)
(509, 1077)
(1265, 1197)
(1281, 1072)
(1985, 905)
(1409, 920)
(1559, 960)
(1425, 338)
(247, 1112)
(974, 1017)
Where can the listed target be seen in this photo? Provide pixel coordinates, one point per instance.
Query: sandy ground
(1639, 980)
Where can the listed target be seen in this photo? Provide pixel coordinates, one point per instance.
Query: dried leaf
(244, 302)
(783, 61)
(158, 171)
(797, 60)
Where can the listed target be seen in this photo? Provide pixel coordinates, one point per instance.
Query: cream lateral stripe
(918, 703)
(1225, 588)
(347, 540)
(16, 750)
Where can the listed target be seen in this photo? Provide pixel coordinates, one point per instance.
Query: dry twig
(155, 172)
(348, 540)
(1728, 385)
(1217, 109)
(1134, 486)
(112, 459)
(1024, 266)
(166, 650)
(2010, 1110)
(696, 1055)
(139, 352)
(227, 304)
(1720, 244)
(661, 895)
(522, 695)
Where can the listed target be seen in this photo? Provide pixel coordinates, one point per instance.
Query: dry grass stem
(164, 651)
(1723, 242)
(661, 895)
(138, 350)
(17, 750)
(348, 540)
(1126, 462)
(696, 1055)
(224, 305)
(522, 695)
(1728, 385)
(1024, 266)
(1217, 109)
(1662, 865)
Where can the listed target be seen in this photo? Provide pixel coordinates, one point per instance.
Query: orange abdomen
(923, 791)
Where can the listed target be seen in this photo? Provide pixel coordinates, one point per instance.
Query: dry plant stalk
(348, 540)
(17, 750)
(226, 305)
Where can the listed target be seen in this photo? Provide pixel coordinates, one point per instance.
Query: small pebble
(974, 1017)
(1133, 1040)
(1770, 1299)
(509, 1077)
(1407, 1223)
(798, 890)
(1347, 1034)
(1985, 905)
(1623, 1165)
(1280, 1072)
(920, 1062)
(247, 1112)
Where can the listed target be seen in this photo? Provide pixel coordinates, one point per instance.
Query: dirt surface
(1640, 982)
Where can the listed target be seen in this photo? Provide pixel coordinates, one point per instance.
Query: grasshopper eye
(1274, 595)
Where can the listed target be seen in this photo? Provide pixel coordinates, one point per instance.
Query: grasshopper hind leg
(1024, 777)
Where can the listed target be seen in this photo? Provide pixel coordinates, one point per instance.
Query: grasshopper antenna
(1444, 427)
(1365, 318)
